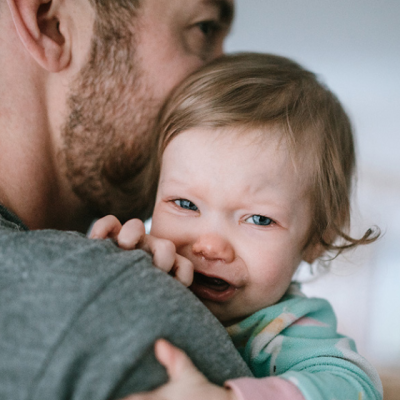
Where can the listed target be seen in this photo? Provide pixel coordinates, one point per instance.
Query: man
(81, 84)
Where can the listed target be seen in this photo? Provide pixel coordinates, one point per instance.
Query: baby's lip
(211, 287)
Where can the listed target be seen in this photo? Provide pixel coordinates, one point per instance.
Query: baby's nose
(214, 247)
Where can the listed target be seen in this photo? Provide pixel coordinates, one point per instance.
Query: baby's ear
(40, 24)
(313, 251)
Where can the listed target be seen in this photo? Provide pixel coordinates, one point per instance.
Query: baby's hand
(186, 382)
(132, 235)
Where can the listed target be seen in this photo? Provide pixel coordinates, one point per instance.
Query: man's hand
(186, 382)
(132, 235)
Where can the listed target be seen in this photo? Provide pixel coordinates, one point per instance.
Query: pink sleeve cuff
(271, 388)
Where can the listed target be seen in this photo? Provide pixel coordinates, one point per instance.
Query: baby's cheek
(156, 230)
(274, 284)
(163, 227)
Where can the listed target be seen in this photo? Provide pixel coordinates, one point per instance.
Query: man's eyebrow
(227, 10)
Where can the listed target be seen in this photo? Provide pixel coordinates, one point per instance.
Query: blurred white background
(354, 46)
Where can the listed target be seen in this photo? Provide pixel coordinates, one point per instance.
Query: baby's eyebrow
(171, 181)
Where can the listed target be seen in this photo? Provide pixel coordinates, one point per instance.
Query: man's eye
(204, 37)
(209, 28)
(259, 220)
(186, 204)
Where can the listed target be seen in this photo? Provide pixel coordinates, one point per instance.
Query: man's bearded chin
(107, 138)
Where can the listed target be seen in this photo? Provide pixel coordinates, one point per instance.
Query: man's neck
(34, 195)
(31, 183)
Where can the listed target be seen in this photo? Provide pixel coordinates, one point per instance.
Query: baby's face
(235, 206)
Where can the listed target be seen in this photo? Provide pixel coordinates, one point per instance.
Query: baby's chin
(226, 314)
(231, 314)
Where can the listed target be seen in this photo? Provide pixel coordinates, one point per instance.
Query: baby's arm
(186, 382)
(295, 346)
(132, 235)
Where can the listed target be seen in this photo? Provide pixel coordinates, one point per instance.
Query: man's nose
(213, 247)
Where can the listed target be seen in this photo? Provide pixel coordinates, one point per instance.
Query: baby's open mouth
(211, 288)
(213, 283)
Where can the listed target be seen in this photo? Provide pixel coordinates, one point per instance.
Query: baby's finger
(177, 363)
(107, 227)
(163, 251)
(183, 270)
(131, 234)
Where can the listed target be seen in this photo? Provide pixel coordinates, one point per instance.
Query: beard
(108, 140)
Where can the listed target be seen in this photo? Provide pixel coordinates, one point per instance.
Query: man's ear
(39, 27)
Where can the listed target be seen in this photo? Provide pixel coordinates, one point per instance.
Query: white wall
(355, 47)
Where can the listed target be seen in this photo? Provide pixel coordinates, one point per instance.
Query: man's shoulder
(51, 276)
(50, 257)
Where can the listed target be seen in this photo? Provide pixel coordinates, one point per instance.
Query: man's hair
(255, 91)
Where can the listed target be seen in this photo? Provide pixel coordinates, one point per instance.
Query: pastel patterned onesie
(295, 351)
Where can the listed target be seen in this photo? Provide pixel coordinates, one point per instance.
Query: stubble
(107, 139)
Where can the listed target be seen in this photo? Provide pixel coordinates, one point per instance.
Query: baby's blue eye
(259, 220)
(186, 204)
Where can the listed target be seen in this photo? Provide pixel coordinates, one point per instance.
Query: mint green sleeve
(297, 340)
